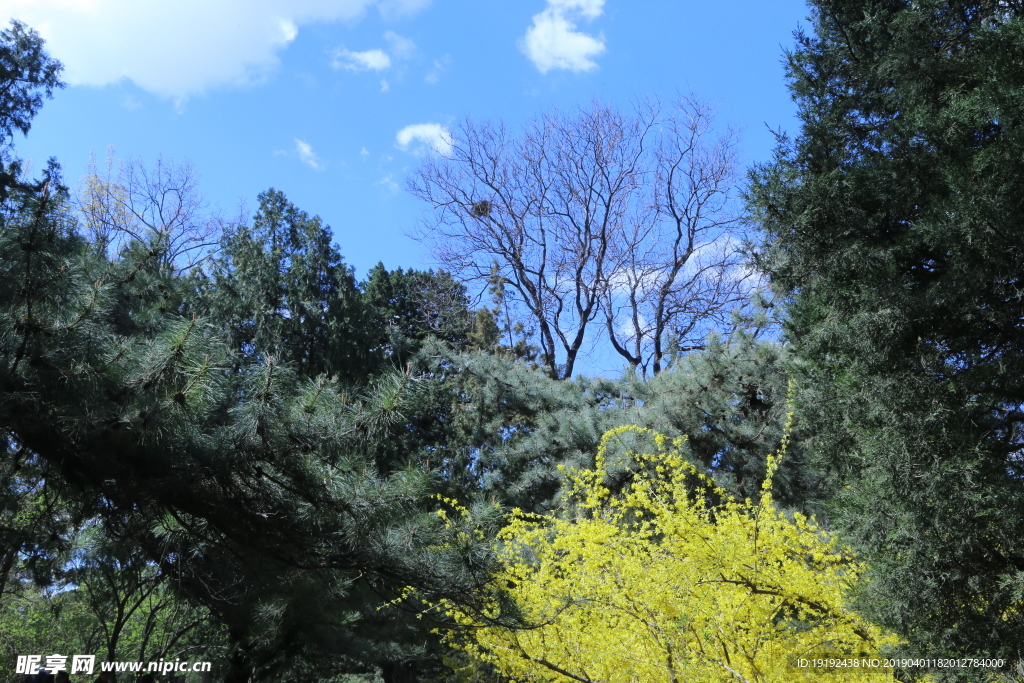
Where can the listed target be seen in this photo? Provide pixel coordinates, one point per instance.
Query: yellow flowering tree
(655, 583)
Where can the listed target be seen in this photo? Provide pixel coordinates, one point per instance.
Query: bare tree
(681, 273)
(595, 214)
(159, 206)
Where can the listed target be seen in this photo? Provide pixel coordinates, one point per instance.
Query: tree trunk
(401, 672)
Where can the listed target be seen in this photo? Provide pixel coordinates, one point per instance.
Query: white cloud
(179, 49)
(289, 31)
(433, 135)
(440, 65)
(553, 41)
(630, 329)
(397, 9)
(401, 47)
(642, 281)
(307, 155)
(131, 102)
(370, 60)
(375, 59)
(589, 9)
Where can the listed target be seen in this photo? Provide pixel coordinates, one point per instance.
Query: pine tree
(513, 425)
(892, 229)
(244, 471)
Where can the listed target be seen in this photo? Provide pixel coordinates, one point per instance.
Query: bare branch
(160, 207)
(594, 213)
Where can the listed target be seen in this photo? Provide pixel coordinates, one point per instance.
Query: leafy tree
(35, 524)
(246, 480)
(116, 608)
(237, 443)
(39, 620)
(134, 612)
(27, 74)
(657, 584)
(494, 329)
(282, 291)
(37, 516)
(407, 306)
(892, 230)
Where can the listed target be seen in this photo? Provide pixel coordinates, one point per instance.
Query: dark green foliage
(404, 307)
(249, 458)
(893, 228)
(513, 424)
(248, 481)
(282, 292)
(89, 590)
(36, 522)
(28, 74)
(494, 331)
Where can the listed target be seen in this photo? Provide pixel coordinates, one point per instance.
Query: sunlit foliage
(671, 580)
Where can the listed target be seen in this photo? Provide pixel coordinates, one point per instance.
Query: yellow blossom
(656, 584)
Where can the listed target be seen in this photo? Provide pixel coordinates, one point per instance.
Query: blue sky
(312, 96)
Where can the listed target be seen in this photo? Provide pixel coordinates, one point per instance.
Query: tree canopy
(891, 229)
(245, 480)
(656, 583)
(28, 76)
(216, 437)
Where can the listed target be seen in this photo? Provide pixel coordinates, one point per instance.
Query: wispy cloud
(369, 60)
(399, 46)
(399, 9)
(131, 102)
(432, 135)
(553, 42)
(440, 65)
(179, 49)
(308, 156)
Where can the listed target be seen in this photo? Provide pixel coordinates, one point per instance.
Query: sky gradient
(334, 102)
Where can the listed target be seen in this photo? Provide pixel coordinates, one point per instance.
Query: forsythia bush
(657, 584)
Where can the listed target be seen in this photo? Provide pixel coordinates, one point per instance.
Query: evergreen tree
(244, 472)
(494, 331)
(407, 306)
(892, 229)
(216, 435)
(282, 291)
(513, 425)
(253, 486)
(27, 74)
